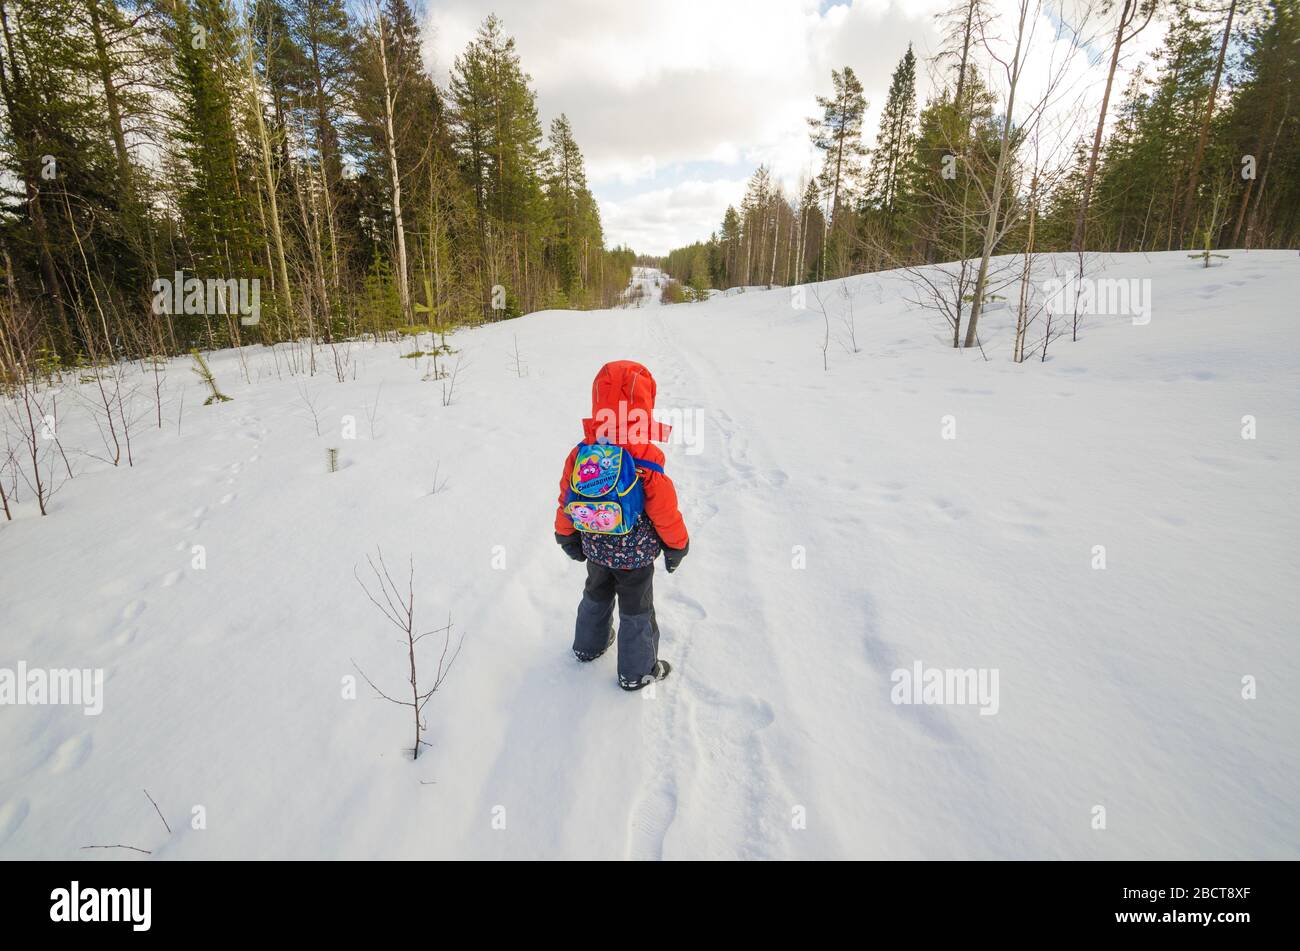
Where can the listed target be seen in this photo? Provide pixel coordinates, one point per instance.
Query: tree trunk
(776, 240)
(1268, 164)
(999, 183)
(1081, 218)
(403, 287)
(255, 105)
(1194, 177)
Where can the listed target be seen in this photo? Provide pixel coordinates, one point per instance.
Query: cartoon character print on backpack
(604, 495)
(603, 518)
(596, 470)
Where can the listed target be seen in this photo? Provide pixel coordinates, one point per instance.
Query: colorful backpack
(605, 495)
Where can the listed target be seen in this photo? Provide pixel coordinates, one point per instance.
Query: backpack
(605, 495)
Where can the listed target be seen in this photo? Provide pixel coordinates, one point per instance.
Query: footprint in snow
(946, 507)
(71, 753)
(649, 823)
(776, 478)
(133, 610)
(12, 815)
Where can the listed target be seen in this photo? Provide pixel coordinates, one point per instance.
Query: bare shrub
(399, 609)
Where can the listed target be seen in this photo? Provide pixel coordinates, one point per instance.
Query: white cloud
(654, 222)
(657, 92)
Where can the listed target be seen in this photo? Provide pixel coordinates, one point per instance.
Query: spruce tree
(897, 137)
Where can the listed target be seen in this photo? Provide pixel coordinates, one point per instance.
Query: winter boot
(587, 657)
(661, 670)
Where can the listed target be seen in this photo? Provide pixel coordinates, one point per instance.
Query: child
(617, 510)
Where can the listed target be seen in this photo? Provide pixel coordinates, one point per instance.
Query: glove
(673, 557)
(572, 545)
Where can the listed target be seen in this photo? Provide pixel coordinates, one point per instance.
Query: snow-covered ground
(645, 289)
(837, 537)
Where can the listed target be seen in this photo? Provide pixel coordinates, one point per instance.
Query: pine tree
(837, 134)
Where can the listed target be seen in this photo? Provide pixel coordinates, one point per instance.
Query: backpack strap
(647, 464)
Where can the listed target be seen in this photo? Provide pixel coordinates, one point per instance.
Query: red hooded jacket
(622, 405)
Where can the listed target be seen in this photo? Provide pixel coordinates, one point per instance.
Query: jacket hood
(622, 406)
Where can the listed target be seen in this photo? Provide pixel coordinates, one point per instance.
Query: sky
(676, 102)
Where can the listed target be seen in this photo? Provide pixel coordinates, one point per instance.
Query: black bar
(981, 901)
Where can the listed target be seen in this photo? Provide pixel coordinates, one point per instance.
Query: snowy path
(712, 775)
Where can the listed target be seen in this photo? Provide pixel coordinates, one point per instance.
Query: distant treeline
(1203, 150)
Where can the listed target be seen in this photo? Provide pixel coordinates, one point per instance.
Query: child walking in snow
(617, 510)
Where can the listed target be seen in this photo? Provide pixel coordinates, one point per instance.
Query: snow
(645, 288)
(776, 735)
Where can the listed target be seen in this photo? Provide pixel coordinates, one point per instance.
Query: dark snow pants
(638, 632)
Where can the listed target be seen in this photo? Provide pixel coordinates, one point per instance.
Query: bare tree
(391, 88)
(270, 181)
(517, 363)
(27, 412)
(1050, 332)
(399, 609)
(826, 324)
(342, 359)
(372, 411)
(1046, 168)
(310, 400)
(28, 408)
(848, 293)
(449, 384)
(948, 289)
(9, 470)
(1024, 308)
(4, 496)
(158, 365)
(438, 484)
(999, 215)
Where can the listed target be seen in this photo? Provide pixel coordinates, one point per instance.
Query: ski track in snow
(726, 780)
